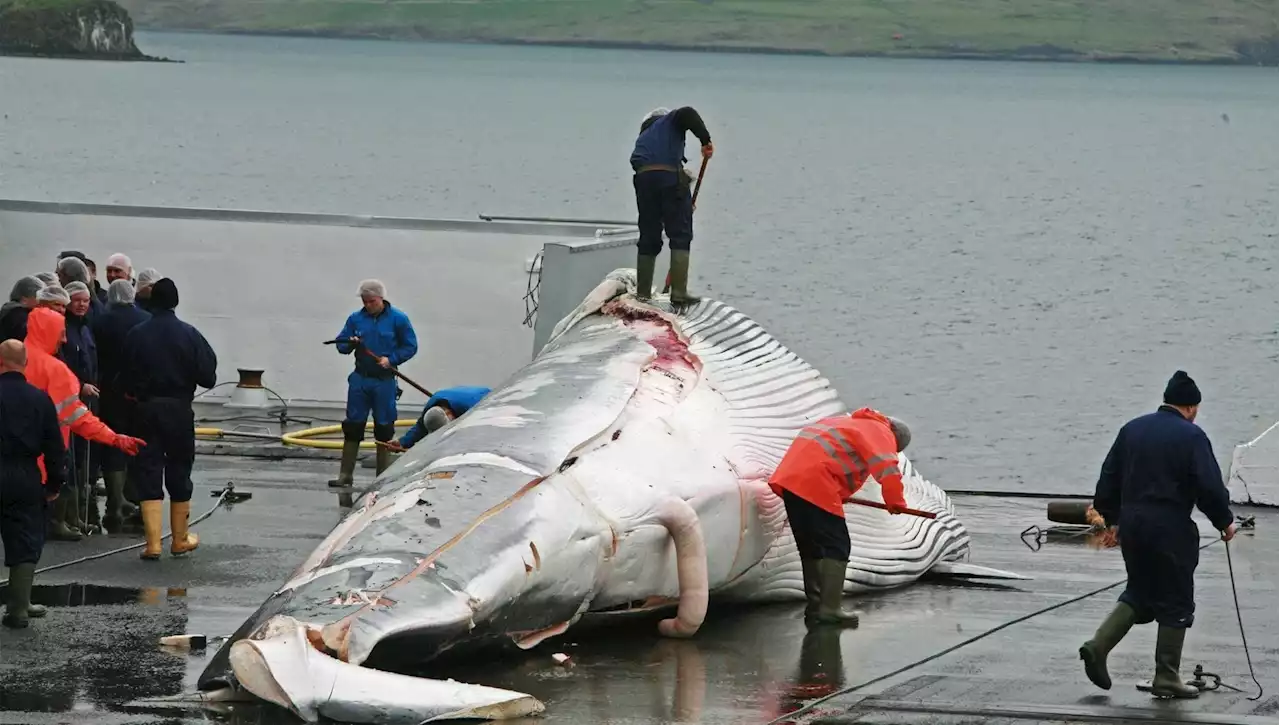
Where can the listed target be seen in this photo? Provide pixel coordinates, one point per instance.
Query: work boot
(89, 504)
(1110, 632)
(383, 457)
(153, 526)
(1167, 682)
(809, 568)
(830, 594)
(184, 541)
(645, 264)
(71, 508)
(17, 608)
(680, 279)
(114, 518)
(350, 450)
(58, 529)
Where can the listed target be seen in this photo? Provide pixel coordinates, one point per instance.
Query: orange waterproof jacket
(45, 331)
(831, 459)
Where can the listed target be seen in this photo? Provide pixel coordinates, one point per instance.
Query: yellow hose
(303, 437)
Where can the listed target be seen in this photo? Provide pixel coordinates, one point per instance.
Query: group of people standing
(118, 370)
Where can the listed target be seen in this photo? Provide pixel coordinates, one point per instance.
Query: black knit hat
(164, 294)
(1181, 390)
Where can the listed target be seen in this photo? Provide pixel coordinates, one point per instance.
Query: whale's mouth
(285, 664)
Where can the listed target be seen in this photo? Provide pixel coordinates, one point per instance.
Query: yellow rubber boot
(153, 527)
(183, 540)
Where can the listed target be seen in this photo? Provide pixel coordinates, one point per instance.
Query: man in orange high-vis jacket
(46, 330)
(825, 465)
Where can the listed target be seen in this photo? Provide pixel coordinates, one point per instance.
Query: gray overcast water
(1014, 257)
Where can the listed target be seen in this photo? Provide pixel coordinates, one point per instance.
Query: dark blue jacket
(389, 335)
(1162, 462)
(165, 357)
(459, 398)
(661, 140)
(28, 429)
(80, 351)
(109, 330)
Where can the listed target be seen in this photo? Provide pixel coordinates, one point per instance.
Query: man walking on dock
(663, 197)
(382, 338)
(1160, 466)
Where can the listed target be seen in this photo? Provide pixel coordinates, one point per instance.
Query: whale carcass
(624, 468)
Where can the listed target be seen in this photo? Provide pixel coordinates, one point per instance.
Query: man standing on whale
(1160, 466)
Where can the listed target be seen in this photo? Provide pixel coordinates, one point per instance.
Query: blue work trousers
(365, 394)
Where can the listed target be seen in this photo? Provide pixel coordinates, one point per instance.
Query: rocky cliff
(67, 28)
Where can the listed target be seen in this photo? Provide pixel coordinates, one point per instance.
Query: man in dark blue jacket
(80, 353)
(386, 332)
(109, 331)
(441, 408)
(1159, 468)
(28, 430)
(164, 360)
(663, 198)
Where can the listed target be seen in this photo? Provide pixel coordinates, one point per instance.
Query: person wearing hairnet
(80, 353)
(73, 269)
(165, 359)
(13, 315)
(441, 408)
(119, 266)
(146, 278)
(109, 331)
(826, 464)
(663, 198)
(53, 297)
(385, 331)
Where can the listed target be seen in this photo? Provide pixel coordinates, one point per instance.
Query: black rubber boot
(1110, 632)
(644, 275)
(58, 529)
(17, 606)
(1167, 682)
(350, 451)
(113, 518)
(71, 508)
(831, 593)
(89, 507)
(680, 279)
(383, 457)
(809, 568)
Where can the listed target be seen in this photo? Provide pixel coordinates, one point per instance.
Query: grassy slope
(1140, 29)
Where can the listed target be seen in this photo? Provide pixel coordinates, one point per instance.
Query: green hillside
(1152, 30)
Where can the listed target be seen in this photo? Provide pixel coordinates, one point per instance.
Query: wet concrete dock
(97, 650)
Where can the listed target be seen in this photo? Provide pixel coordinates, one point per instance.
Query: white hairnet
(53, 293)
(75, 287)
(73, 269)
(120, 292)
(901, 432)
(434, 419)
(25, 288)
(120, 261)
(46, 277)
(148, 277)
(373, 287)
(658, 112)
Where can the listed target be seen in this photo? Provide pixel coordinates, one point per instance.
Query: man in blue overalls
(443, 407)
(386, 332)
(663, 198)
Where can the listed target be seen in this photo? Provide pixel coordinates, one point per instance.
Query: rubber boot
(184, 541)
(153, 526)
(89, 505)
(680, 279)
(383, 457)
(809, 568)
(58, 529)
(71, 508)
(644, 275)
(17, 608)
(114, 518)
(1167, 682)
(350, 450)
(1110, 632)
(831, 592)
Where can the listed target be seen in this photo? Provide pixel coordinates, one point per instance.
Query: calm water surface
(1015, 257)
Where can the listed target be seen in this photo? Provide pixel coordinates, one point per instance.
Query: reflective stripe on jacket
(830, 460)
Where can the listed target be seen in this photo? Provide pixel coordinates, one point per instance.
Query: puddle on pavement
(88, 595)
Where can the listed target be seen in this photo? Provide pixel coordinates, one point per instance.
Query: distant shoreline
(1047, 54)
